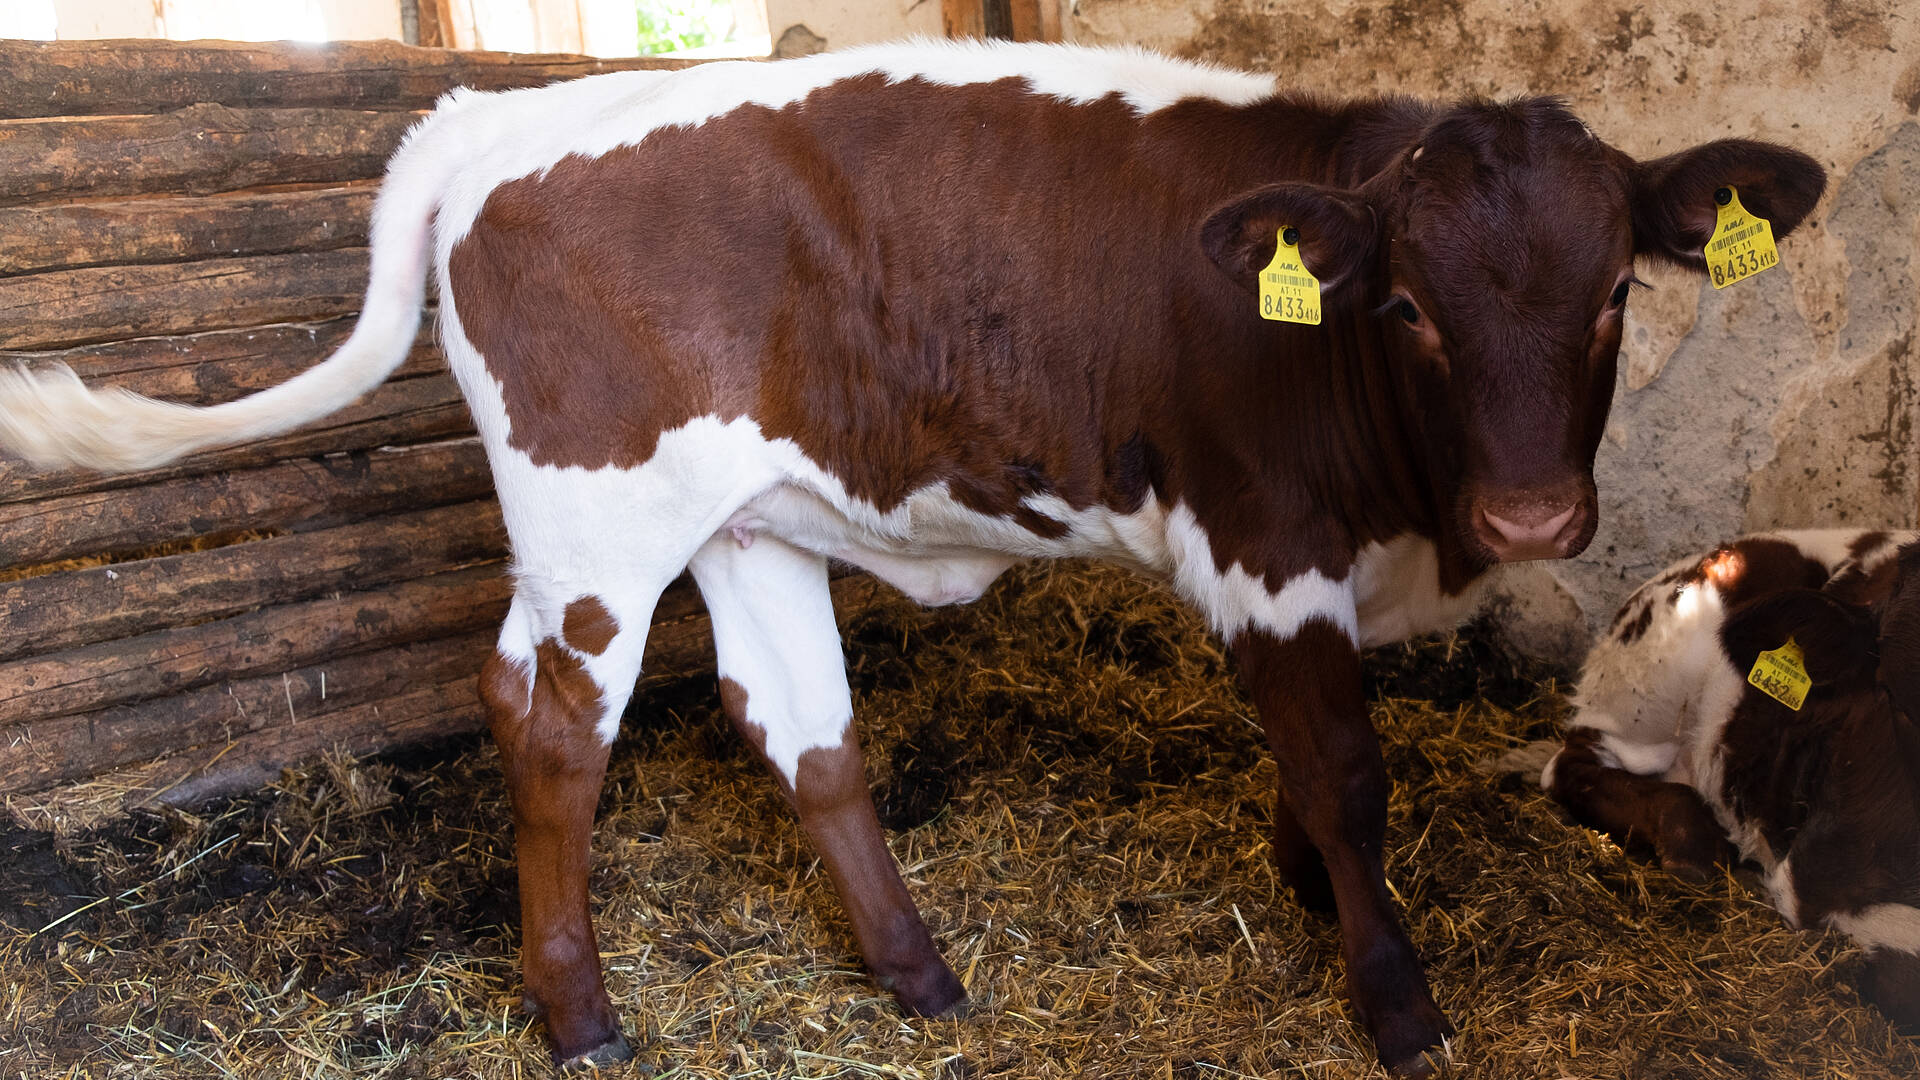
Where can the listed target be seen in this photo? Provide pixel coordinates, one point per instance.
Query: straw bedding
(1082, 802)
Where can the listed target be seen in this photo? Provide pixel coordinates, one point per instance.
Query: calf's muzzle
(1518, 526)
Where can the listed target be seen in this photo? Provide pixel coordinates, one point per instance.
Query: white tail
(51, 418)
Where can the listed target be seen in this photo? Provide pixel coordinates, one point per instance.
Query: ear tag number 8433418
(1288, 293)
(1742, 242)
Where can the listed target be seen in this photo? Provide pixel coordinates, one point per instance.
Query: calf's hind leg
(783, 681)
(554, 691)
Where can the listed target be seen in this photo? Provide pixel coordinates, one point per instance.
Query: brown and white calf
(933, 309)
(1672, 746)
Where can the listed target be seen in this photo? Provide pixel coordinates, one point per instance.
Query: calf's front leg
(1672, 818)
(1308, 692)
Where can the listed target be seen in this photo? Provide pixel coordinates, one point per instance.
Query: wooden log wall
(189, 220)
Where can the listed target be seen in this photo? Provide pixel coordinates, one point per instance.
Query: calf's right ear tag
(1742, 243)
(1288, 293)
(1781, 674)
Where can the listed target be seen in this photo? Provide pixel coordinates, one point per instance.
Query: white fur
(1882, 926)
(774, 634)
(1235, 600)
(1397, 594)
(1786, 901)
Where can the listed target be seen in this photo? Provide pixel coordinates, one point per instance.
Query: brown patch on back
(1864, 544)
(1751, 568)
(589, 626)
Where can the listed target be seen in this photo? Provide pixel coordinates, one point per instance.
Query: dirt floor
(1082, 804)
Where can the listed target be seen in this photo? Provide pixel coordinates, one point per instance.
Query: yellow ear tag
(1288, 293)
(1741, 245)
(1781, 674)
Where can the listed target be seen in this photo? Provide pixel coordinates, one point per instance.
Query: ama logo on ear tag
(1742, 242)
(1288, 293)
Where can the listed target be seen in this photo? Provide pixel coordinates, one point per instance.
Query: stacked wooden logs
(190, 221)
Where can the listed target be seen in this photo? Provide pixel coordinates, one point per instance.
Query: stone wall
(1788, 399)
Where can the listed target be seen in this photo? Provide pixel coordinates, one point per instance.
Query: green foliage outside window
(672, 25)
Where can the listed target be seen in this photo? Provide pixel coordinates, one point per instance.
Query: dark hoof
(611, 1052)
(1426, 1063)
(1414, 1042)
(933, 991)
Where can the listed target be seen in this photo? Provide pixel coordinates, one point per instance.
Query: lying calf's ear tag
(1742, 243)
(1781, 674)
(1288, 293)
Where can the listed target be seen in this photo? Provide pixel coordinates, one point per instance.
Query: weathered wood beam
(71, 608)
(218, 365)
(120, 77)
(111, 303)
(180, 228)
(296, 495)
(198, 150)
(276, 639)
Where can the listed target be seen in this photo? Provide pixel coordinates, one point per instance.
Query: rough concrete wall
(1787, 399)
(813, 25)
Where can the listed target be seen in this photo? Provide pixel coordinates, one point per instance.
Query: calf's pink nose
(1524, 533)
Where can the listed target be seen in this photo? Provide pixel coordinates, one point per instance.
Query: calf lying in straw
(1765, 693)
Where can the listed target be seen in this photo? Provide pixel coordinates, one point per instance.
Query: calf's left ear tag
(1781, 674)
(1742, 243)
(1288, 293)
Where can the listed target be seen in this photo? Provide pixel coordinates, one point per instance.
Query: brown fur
(587, 625)
(1008, 294)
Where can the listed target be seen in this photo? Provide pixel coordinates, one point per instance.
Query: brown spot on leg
(544, 723)
(830, 794)
(1638, 810)
(589, 626)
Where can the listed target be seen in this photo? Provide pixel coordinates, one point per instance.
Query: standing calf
(934, 309)
(1673, 746)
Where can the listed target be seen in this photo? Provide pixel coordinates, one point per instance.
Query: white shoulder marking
(503, 136)
(1779, 883)
(1235, 600)
(1882, 926)
(1396, 588)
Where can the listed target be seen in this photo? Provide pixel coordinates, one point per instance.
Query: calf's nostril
(1521, 535)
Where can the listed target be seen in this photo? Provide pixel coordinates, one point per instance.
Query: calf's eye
(1407, 312)
(1619, 294)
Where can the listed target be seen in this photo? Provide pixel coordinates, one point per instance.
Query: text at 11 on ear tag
(1288, 293)
(1741, 245)
(1781, 674)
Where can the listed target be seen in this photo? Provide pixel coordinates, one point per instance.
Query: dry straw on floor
(1081, 800)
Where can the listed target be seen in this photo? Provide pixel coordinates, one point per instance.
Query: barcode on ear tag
(1741, 245)
(1781, 674)
(1288, 292)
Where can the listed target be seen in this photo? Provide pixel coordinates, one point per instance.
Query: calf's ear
(1336, 232)
(1836, 639)
(1674, 210)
